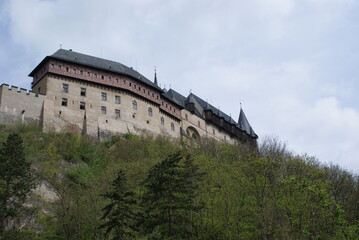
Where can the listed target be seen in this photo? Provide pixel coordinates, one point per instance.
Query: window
(88, 74)
(109, 78)
(65, 88)
(225, 139)
(150, 112)
(67, 69)
(116, 81)
(95, 75)
(199, 124)
(134, 105)
(103, 110)
(172, 126)
(103, 96)
(102, 77)
(186, 116)
(117, 113)
(214, 132)
(52, 65)
(82, 105)
(81, 72)
(117, 99)
(83, 92)
(60, 67)
(39, 90)
(64, 102)
(162, 121)
(74, 70)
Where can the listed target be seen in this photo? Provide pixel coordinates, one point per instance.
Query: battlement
(17, 90)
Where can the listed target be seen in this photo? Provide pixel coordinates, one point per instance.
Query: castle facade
(97, 97)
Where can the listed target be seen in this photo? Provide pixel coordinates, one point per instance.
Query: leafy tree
(119, 214)
(169, 197)
(16, 180)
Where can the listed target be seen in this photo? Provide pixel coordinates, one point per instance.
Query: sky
(292, 64)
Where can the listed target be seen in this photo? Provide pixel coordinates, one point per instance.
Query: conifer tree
(119, 214)
(16, 179)
(170, 190)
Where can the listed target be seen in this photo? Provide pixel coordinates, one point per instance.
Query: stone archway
(193, 133)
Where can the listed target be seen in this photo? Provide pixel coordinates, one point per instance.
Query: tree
(169, 197)
(119, 214)
(17, 179)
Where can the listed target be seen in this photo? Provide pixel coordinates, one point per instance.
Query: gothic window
(117, 99)
(162, 121)
(103, 96)
(103, 110)
(150, 112)
(117, 113)
(64, 102)
(134, 105)
(172, 126)
(65, 88)
(82, 105)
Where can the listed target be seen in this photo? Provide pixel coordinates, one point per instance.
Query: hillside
(213, 191)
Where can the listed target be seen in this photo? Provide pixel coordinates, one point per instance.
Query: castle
(97, 97)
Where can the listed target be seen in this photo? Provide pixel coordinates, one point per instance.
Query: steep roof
(201, 105)
(244, 124)
(99, 63)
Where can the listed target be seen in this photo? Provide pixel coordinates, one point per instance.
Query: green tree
(169, 197)
(17, 179)
(119, 214)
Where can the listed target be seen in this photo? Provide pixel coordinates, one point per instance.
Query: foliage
(118, 214)
(171, 188)
(16, 180)
(213, 191)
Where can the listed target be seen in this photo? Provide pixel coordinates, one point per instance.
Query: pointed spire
(244, 124)
(155, 81)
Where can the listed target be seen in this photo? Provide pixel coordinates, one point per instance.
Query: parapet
(17, 90)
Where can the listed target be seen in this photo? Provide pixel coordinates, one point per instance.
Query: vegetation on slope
(141, 187)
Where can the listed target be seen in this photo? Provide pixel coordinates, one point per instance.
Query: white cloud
(274, 56)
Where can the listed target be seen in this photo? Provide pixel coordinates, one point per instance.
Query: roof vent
(70, 50)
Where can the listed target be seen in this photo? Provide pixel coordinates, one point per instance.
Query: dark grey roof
(175, 97)
(99, 63)
(244, 124)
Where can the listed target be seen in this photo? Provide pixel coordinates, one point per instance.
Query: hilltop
(232, 193)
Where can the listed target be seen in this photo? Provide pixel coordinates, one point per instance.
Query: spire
(244, 125)
(155, 81)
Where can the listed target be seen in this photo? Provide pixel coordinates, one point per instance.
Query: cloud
(291, 63)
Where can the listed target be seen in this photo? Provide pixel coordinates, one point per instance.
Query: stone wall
(19, 105)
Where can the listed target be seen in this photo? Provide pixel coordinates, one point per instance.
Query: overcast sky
(293, 64)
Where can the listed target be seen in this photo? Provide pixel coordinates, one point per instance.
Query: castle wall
(19, 105)
(104, 114)
(204, 129)
(107, 78)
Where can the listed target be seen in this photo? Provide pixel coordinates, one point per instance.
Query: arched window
(134, 105)
(172, 126)
(150, 112)
(162, 121)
